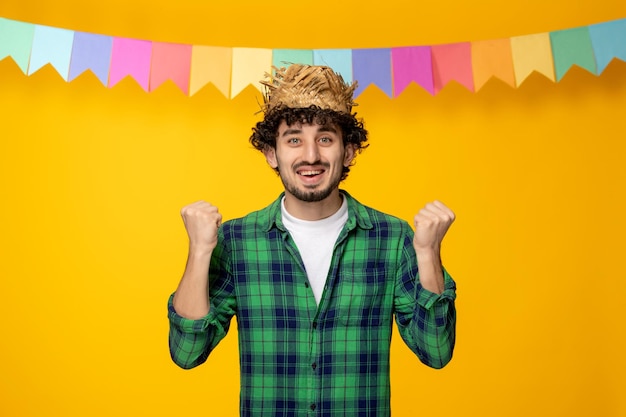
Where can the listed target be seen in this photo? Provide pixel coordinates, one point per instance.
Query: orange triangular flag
(211, 64)
(492, 58)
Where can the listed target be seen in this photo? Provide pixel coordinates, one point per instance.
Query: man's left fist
(431, 224)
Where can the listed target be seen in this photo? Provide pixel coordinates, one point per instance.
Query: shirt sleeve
(426, 321)
(191, 341)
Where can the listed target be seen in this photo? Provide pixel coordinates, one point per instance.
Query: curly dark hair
(265, 132)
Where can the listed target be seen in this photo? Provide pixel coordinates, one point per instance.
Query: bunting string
(232, 69)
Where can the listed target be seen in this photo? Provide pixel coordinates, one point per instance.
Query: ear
(270, 156)
(349, 154)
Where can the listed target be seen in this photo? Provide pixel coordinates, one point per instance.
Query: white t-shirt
(315, 241)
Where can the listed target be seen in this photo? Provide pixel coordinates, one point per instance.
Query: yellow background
(92, 180)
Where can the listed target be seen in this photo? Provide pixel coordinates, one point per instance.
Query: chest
(273, 289)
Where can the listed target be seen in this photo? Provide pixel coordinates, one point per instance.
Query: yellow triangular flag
(210, 64)
(532, 53)
(249, 67)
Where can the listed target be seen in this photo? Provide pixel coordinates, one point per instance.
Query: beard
(311, 195)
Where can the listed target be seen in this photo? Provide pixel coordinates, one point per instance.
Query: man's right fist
(201, 220)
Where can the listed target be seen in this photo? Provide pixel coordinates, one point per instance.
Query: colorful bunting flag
(91, 52)
(608, 41)
(532, 53)
(211, 64)
(51, 46)
(372, 66)
(170, 61)
(338, 59)
(230, 70)
(16, 41)
(452, 62)
(249, 65)
(492, 59)
(412, 64)
(131, 57)
(284, 57)
(572, 47)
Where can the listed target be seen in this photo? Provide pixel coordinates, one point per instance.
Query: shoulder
(389, 226)
(382, 217)
(367, 216)
(250, 224)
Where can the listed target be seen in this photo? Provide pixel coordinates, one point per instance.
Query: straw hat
(301, 86)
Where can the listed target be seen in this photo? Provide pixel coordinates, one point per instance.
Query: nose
(311, 152)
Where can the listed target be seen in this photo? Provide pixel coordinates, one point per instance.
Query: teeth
(307, 173)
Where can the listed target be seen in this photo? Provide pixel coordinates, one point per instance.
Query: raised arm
(431, 224)
(202, 220)
(425, 311)
(195, 326)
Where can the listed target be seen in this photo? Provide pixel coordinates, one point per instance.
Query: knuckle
(426, 222)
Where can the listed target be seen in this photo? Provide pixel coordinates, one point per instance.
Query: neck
(316, 210)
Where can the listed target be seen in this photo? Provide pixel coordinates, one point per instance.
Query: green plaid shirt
(298, 358)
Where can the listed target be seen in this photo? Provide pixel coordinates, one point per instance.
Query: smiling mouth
(310, 173)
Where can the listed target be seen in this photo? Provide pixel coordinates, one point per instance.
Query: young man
(316, 278)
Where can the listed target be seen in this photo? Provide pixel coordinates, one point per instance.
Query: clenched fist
(201, 220)
(431, 224)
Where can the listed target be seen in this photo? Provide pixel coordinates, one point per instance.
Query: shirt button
(315, 325)
(312, 407)
(314, 365)
(306, 284)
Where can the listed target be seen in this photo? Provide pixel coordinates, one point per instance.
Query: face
(310, 159)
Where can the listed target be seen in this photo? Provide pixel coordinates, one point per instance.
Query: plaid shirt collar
(357, 214)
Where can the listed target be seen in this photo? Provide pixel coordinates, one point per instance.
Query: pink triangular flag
(130, 57)
(170, 61)
(452, 62)
(412, 64)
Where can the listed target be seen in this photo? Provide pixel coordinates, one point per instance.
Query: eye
(293, 141)
(325, 139)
